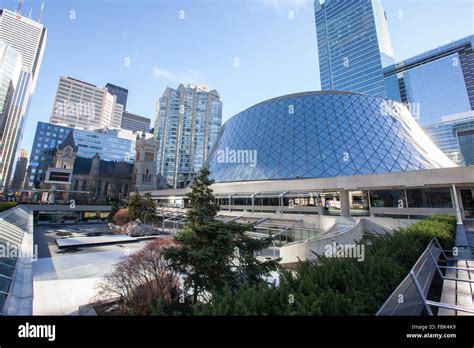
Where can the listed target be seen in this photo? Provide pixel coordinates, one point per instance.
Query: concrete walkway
(62, 284)
(458, 292)
(469, 226)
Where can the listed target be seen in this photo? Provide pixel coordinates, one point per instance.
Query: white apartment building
(81, 104)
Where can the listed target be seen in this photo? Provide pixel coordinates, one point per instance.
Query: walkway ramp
(456, 296)
(458, 292)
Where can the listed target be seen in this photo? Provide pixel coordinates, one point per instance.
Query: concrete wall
(412, 211)
(304, 251)
(67, 207)
(383, 225)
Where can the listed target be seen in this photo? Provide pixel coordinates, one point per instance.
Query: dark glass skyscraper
(120, 92)
(353, 45)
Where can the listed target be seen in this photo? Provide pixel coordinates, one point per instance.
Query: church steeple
(66, 153)
(69, 141)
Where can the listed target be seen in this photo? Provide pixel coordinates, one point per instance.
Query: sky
(248, 50)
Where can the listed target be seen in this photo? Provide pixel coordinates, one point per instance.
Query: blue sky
(93, 39)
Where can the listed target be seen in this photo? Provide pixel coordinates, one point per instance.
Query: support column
(52, 195)
(345, 205)
(456, 204)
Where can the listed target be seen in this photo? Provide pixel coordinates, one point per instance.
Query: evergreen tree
(135, 207)
(203, 205)
(211, 254)
(143, 208)
(113, 210)
(148, 212)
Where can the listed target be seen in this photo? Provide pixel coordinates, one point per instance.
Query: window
(149, 156)
(429, 198)
(388, 198)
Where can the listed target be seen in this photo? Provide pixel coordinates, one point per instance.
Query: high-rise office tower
(188, 120)
(354, 45)
(120, 92)
(10, 68)
(129, 121)
(81, 104)
(28, 39)
(18, 179)
(135, 122)
(438, 87)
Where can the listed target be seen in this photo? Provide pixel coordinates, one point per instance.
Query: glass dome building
(321, 134)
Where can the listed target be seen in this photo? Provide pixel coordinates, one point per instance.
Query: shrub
(442, 227)
(7, 205)
(113, 210)
(121, 217)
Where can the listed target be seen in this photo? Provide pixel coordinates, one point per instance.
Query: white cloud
(159, 73)
(188, 76)
(285, 5)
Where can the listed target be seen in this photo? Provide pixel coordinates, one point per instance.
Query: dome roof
(321, 134)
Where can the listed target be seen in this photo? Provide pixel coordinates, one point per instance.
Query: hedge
(7, 205)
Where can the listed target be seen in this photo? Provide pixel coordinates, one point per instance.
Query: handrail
(428, 303)
(233, 219)
(450, 306)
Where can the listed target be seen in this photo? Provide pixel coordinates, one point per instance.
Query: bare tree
(141, 278)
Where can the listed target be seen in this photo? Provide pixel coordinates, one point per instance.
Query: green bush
(442, 227)
(7, 205)
(338, 286)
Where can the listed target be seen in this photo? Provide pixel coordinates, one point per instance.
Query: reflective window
(388, 198)
(429, 198)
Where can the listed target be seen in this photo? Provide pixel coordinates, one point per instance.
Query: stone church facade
(94, 180)
(144, 176)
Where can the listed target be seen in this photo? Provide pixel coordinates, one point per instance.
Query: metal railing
(410, 297)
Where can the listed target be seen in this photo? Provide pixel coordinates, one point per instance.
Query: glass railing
(282, 236)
